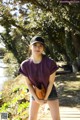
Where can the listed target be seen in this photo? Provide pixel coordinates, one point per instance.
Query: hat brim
(37, 42)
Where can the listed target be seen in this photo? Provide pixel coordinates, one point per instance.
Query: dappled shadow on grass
(68, 87)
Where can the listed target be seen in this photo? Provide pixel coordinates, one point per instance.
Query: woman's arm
(51, 82)
(31, 89)
(30, 86)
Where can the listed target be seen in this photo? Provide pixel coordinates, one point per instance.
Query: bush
(9, 58)
(15, 100)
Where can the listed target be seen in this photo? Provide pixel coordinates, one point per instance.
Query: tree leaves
(48, 18)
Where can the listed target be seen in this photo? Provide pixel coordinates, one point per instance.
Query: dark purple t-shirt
(38, 73)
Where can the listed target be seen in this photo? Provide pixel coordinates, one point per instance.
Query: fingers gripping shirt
(38, 73)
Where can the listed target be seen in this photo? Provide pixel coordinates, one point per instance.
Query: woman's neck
(36, 59)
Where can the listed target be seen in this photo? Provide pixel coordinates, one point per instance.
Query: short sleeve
(53, 67)
(23, 69)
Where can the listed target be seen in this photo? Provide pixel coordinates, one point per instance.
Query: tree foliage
(50, 19)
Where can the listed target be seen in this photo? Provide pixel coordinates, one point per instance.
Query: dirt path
(68, 87)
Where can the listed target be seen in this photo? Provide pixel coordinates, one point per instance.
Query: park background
(59, 24)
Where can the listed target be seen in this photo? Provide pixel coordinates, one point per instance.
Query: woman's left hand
(41, 101)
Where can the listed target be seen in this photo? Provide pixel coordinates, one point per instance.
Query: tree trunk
(74, 67)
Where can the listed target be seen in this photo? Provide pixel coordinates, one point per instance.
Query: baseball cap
(36, 39)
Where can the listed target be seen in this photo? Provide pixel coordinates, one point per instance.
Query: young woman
(40, 70)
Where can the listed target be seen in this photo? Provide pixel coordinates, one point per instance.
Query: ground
(68, 86)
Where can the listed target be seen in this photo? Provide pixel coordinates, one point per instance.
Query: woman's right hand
(41, 102)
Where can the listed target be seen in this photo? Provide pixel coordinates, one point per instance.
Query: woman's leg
(33, 110)
(54, 109)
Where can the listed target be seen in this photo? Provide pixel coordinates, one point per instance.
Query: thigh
(54, 109)
(33, 110)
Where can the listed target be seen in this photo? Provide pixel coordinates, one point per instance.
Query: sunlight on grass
(73, 85)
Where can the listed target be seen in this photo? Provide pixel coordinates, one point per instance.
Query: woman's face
(37, 48)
